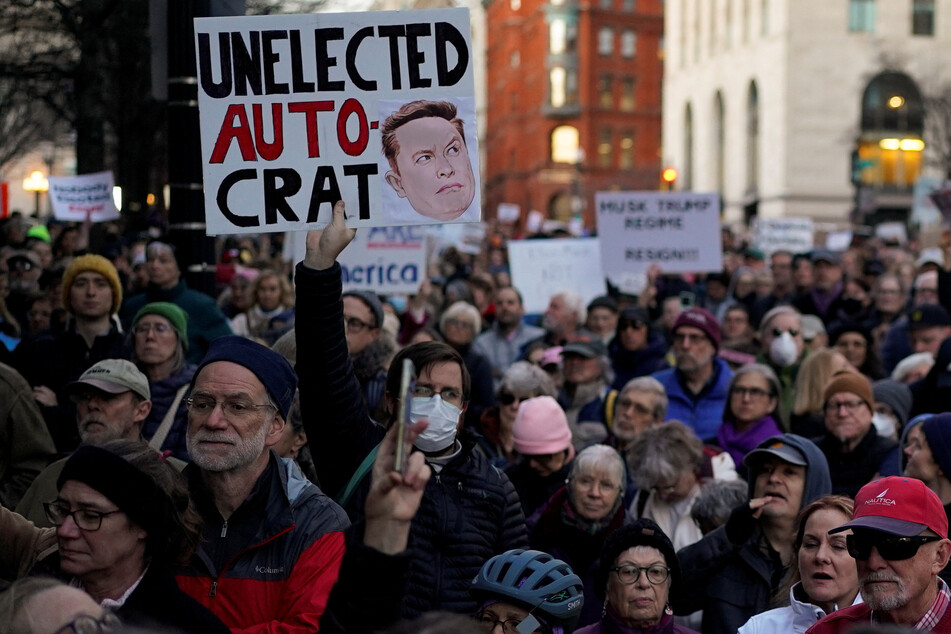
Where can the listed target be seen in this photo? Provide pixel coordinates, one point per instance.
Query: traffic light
(669, 176)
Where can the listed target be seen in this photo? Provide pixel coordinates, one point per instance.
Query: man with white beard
(272, 541)
(900, 543)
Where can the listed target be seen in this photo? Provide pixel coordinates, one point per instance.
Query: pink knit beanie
(541, 427)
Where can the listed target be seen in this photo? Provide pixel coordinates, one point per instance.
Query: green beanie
(40, 232)
(175, 315)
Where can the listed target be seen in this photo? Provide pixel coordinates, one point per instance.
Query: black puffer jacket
(470, 511)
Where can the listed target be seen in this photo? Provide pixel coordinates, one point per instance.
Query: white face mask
(783, 351)
(884, 425)
(443, 419)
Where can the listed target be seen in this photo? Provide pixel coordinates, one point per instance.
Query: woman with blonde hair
(808, 417)
(273, 297)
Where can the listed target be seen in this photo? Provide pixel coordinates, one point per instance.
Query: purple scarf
(738, 443)
(823, 301)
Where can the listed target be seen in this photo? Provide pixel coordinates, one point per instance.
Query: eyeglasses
(752, 392)
(489, 622)
(507, 398)
(778, 332)
(851, 407)
(356, 325)
(890, 548)
(587, 482)
(460, 323)
(203, 406)
(629, 574)
(159, 328)
(448, 394)
(86, 624)
(86, 519)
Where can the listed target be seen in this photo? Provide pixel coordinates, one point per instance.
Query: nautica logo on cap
(881, 500)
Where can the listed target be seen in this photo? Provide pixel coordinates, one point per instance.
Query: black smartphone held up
(407, 377)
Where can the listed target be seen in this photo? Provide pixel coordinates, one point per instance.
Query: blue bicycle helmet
(543, 585)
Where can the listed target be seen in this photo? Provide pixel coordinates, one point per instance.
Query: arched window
(890, 146)
(719, 141)
(687, 167)
(752, 139)
(892, 103)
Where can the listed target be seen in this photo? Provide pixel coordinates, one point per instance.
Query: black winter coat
(469, 512)
(158, 603)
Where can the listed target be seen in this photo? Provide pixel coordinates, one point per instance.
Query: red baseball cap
(898, 506)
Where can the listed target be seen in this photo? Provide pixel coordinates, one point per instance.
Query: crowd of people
(762, 449)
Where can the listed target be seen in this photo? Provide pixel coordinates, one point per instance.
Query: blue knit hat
(272, 369)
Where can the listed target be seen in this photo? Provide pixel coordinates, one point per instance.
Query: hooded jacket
(795, 618)
(733, 571)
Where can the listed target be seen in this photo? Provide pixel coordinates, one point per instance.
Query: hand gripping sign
(373, 108)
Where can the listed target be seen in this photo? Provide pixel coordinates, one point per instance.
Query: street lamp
(36, 183)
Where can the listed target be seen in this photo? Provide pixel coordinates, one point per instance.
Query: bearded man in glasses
(900, 543)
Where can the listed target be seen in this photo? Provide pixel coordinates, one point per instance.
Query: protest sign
(678, 231)
(76, 197)
(373, 108)
(385, 260)
(508, 212)
(541, 268)
(783, 234)
(894, 231)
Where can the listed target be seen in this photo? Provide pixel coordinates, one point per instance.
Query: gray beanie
(896, 395)
(372, 302)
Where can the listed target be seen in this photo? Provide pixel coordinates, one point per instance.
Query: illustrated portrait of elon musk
(428, 162)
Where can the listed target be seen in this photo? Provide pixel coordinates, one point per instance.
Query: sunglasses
(889, 548)
(507, 398)
(778, 332)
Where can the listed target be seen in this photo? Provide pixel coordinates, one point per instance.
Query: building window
(628, 5)
(605, 41)
(696, 31)
(626, 160)
(628, 101)
(628, 44)
(713, 28)
(719, 142)
(559, 89)
(605, 94)
(604, 148)
(922, 17)
(728, 26)
(606, 4)
(746, 21)
(557, 36)
(516, 4)
(683, 35)
(752, 139)
(687, 176)
(764, 19)
(862, 16)
(515, 59)
(565, 144)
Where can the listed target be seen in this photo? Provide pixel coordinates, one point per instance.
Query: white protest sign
(385, 260)
(783, 234)
(75, 197)
(838, 240)
(296, 111)
(467, 238)
(892, 231)
(679, 231)
(541, 268)
(508, 212)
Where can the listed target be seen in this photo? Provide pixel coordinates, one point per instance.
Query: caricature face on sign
(425, 146)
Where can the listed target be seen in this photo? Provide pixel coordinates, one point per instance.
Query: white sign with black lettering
(678, 231)
(783, 234)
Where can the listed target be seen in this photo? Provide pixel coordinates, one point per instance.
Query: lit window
(605, 94)
(605, 41)
(604, 148)
(862, 16)
(628, 5)
(557, 77)
(628, 44)
(922, 17)
(515, 59)
(558, 36)
(626, 159)
(564, 144)
(627, 102)
(517, 4)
